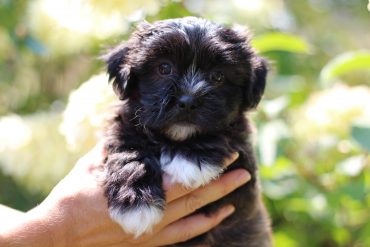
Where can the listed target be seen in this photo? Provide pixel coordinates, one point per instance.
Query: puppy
(185, 85)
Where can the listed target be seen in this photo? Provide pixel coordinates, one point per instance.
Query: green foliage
(280, 42)
(313, 153)
(16, 195)
(174, 9)
(361, 134)
(345, 63)
(11, 12)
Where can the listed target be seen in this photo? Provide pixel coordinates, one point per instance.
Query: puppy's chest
(187, 168)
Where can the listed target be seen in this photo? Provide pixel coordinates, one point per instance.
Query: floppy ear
(119, 70)
(258, 83)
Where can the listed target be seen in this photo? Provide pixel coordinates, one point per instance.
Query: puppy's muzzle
(188, 102)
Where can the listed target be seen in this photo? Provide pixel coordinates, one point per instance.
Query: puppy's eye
(217, 77)
(165, 69)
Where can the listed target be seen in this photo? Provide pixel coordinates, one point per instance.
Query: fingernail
(243, 177)
(234, 156)
(227, 210)
(231, 159)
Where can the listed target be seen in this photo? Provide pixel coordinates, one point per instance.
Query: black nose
(187, 102)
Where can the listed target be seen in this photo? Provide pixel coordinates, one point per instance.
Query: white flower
(332, 112)
(86, 112)
(33, 151)
(14, 133)
(68, 26)
(39, 149)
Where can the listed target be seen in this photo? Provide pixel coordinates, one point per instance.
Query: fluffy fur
(188, 173)
(147, 215)
(185, 85)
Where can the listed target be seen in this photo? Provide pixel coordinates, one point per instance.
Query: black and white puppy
(185, 85)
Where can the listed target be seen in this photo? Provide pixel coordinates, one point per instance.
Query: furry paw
(134, 193)
(187, 173)
(137, 220)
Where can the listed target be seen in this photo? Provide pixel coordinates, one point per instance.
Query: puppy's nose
(187, 102)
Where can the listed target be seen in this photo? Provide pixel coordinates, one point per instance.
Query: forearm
(31, 229)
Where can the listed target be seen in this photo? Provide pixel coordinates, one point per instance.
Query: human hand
(75, 213)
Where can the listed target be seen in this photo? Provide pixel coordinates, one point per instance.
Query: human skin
(75, 213)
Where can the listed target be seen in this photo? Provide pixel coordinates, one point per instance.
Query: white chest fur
(188, 173)
(180, 132)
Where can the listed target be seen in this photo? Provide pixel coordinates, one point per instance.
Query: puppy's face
(187, 75)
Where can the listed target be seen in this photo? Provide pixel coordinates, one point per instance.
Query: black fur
(138, 134)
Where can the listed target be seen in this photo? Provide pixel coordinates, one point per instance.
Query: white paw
(187, 173)
(138, 220)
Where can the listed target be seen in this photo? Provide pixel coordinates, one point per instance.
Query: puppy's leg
(134, 191)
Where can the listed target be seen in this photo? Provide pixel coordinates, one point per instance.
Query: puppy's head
(187, 75)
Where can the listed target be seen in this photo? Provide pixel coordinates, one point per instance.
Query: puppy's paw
(137, 220)
(134, 192)
(188, 173)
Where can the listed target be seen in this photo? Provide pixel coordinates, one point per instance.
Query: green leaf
(345, 63)
(355, 190)
(280, 42)
(172, 9)
(283, 239)
(361, 134)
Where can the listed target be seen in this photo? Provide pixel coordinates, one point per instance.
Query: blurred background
(313, 137)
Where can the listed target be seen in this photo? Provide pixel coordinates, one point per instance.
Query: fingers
(205, 195)
(191, 226)
(174, 191)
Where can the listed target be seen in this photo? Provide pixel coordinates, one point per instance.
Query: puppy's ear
(258, 83)
(119, 70)
(259, 66)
